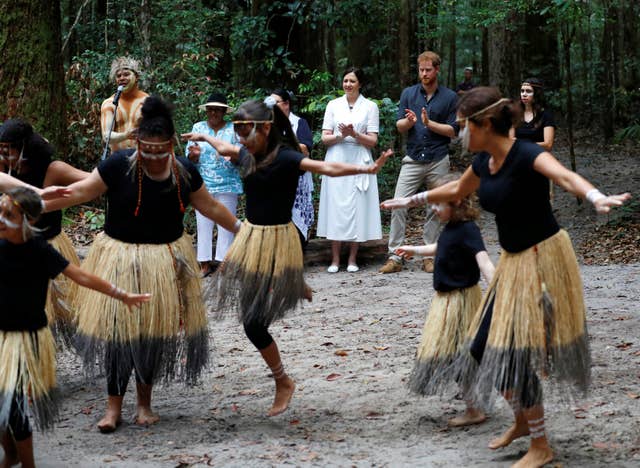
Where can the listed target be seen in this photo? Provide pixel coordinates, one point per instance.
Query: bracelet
(116, 292)
(237, 226)
(594, 195)
(419, 198)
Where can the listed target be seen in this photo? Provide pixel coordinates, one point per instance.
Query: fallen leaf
(633, 395)
(87, 409)
(341, 352)
(381, 348)
(331, 377)
(327, 343)
(373, 415)
(293, 422)
(409, 325)
(234, 407)
(250, 391)
(624, 346)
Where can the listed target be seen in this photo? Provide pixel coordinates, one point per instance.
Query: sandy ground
(350, 352)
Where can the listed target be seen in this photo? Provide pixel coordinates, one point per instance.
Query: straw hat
(215, 100)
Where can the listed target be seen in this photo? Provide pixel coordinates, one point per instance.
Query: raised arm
(551, 168)
(202, 201)
(455, 190)
(82, 191)
(486, 265)
(337, 169)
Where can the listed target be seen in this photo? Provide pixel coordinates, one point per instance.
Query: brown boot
(427, 265)
(390, 267)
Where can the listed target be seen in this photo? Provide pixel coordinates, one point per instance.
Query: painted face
(11, 220)
(350, 83)
(526, 94)
(253, 134)
(126, 78)
(442, 211)
(155, 153)
(428, 73)
(10, 157)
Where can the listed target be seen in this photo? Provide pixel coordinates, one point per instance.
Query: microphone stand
(105, 153)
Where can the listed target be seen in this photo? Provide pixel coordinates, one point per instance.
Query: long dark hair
(36, 151)
(280, 134)
(539, 102)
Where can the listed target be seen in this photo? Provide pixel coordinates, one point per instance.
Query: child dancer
(460, 256)
(26, 344)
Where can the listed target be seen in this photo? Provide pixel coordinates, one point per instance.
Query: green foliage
(93, 219)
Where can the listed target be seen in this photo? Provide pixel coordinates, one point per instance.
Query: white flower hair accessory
(270, 101)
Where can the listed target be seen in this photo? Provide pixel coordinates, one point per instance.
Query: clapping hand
(347, 130)
(425, 117)
(410, 116)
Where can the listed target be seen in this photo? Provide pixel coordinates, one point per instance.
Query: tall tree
(31, 74)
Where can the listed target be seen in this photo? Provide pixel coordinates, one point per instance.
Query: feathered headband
(124, 62)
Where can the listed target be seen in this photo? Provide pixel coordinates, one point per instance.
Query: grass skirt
(60, 314)
(443, 337)
(172, 325)
(28, 367)
(262, 273)
(538, 326)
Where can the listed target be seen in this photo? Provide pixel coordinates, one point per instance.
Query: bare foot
(470, 417)
(109, 422)
(284, 391)
(146, 417)
(514, 432)
(308, 293)
(535, 458)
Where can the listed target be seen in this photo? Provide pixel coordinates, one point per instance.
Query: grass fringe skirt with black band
(172, 326)
(261, 274)
(28, 371)
(60, 315)
(538, 325)
(443, 337)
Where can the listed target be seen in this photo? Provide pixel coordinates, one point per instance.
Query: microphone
(116, 98)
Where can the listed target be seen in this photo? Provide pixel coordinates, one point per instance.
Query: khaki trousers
(413, 175)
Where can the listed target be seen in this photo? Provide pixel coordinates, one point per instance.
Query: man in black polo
(427, 113)
(467, 84)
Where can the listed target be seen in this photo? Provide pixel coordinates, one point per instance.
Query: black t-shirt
(455, 265)
(534, 130)
(271, 190)
(24, 279)
(159, 220)
(518, 196)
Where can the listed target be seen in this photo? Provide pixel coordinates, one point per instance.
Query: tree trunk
(405, 42)
(504, 71)
(606, 83)
(145, 32)
(484, 76)
(31, 74)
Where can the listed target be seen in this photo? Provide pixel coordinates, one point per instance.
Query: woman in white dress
(349, 206)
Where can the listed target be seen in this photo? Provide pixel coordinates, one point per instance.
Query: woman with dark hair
(349, 208)
(303, 213)
(537, 124)
(144, 248)
(531, 321)
(262, 272)
(29, 157)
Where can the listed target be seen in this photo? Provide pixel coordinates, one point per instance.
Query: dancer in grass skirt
(28, 370)
(261, 275)
(531, 323)
(460, 256)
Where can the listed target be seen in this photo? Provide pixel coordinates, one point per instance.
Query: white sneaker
(352, 268)
(333, 269)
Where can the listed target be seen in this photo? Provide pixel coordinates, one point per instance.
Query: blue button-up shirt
(218, 174)
(422, 144)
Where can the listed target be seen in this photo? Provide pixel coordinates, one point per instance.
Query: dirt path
(353, 408)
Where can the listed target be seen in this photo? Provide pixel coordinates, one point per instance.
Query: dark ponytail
(502, 116)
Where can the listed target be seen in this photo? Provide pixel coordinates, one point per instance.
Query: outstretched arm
(202, 201)
(486, 265)
(452, 191)
(91, 281)
(408, 251)
(551, 168)
(337, 169)
(222, 147)
(82, 191)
